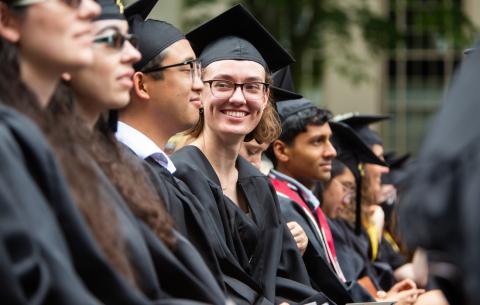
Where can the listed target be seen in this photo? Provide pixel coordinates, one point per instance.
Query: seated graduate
(36, 266)
(299, 153)
(165, 100)
(237, 55)
(148, 253)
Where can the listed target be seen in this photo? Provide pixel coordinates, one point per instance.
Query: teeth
(237, 114)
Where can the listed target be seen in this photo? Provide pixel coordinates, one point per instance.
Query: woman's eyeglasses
(224, 89)
(116, 40)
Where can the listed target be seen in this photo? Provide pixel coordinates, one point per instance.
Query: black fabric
(439, 208)
(194, 221)
(289, 107)
(353, 255)
(111, 9)
(360, 124)
(51, 257)
(153, 36)
(236, 34)
(320, 271)
(387, 254)
(268, 252)
(39, 264)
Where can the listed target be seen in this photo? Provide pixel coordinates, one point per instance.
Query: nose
(88, 9)
(130, 54)
(197, 83)
(330, 151)
(237, 96)
(384, 169)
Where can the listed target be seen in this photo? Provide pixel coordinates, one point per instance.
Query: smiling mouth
(235, 114)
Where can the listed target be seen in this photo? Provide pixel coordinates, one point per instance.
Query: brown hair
(267, 130)
(81, 178)
(124, 170)
(130, 178)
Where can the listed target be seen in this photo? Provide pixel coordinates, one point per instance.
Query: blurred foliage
(305, 25)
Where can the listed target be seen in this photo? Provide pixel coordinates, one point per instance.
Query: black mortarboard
(360, 123)
(349, 144)
(352, 150)
(153, 36)
(236, 34)
(287, 108)
(396, 165)
(283, 79)
(280, 95)
(111, 9)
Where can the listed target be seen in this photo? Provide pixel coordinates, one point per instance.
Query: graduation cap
(360, 123)
(153, 36)
(237, 35)
(283, 79)
(351, 151)
(289, 107)
(111, 9)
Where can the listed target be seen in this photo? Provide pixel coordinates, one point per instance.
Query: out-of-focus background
(367, 56)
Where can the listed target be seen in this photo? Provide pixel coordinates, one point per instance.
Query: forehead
(346, 176)
(318, 130)
(101, 25)
(235, 70)
(179, 51)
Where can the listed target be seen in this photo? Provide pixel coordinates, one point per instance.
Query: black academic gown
(161, 272)
(196, 223)
(36, 265)
(387, 254)
(51, 257)
(260, 243)
(320, 271)
(353, 253)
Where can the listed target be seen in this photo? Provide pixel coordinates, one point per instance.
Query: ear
(281, 150)
(140, 86)
(9, 27)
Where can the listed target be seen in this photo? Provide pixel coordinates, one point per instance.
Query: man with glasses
(165, 100)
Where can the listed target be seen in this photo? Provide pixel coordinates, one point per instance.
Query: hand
(404, 293)
(299, 235)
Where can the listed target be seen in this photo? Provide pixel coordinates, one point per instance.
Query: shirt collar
(306, 194)
(141, 145)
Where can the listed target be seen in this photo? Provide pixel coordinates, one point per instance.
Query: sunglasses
(116, 40)
(70, 3)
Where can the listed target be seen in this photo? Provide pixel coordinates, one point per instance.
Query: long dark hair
(16, 94)
(121, 167)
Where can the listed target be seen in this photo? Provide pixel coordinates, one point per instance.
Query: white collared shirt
(141, 145)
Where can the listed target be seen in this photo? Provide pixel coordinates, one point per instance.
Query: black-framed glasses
(116, 40)
(71, 3)
(224, 89)
(194, 64)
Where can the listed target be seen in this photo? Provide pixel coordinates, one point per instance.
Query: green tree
(303, 25)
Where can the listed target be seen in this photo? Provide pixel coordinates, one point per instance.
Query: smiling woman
(237, 62)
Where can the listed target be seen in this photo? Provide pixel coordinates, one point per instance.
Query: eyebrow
(229, 77)
(110, 27)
